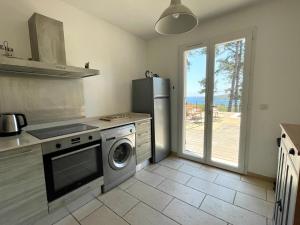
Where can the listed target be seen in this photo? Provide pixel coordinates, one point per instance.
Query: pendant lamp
(176, 19)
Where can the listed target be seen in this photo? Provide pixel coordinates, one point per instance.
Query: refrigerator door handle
(161, 96)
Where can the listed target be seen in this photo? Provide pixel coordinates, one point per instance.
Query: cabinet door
(22, 186)
(290, 195)
(280, 185)
(143, 141)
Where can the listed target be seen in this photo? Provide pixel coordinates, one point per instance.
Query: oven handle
(72, 153)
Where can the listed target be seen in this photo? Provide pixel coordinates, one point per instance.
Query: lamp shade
(176, 19)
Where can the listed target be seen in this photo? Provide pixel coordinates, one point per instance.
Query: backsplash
(42, 99)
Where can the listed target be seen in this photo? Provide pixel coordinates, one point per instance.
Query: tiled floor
(177, 191)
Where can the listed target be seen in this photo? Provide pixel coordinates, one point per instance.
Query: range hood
(48, 53)
(28, 67)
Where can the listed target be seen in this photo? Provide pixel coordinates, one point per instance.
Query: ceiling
(139, 16)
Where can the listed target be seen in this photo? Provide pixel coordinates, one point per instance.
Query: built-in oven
(70, 163)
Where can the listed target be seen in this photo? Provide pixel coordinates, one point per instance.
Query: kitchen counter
(25, 139)
(293, 132)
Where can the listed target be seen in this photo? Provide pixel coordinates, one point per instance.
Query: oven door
(71, 168)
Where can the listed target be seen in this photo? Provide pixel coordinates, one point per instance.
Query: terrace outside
(226, 132)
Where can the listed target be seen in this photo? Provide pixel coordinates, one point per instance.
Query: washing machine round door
(120, 154)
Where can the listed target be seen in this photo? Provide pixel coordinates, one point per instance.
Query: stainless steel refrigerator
(152, 95)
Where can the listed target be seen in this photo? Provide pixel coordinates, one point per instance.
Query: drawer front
(145, 147)
(142, 158)
(143, 137)
(141, 126)
(143, 141)
(292, 152)
(143, 152)
(22, 185)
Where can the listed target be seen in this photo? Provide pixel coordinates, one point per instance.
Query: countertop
(293, 131)
(25, 139)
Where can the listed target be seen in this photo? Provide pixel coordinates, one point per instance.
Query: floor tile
(231, 213)
(118, 201)
(151, 196)
(258, 182)
(241, 186)
(149, 178)
(87, 209)
(229, 174)
(198, 172)
(270, 196)
(225, 173)
(68, 220)
(182, 192)
(142, 214)
(187, 162)
(189, 215)
(171, 163)
(104, 216)
(172, 174)
(126, 184)
(151, 167)
(254, 204)
(215, 190)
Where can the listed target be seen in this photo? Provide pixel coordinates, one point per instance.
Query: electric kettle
(12, 123)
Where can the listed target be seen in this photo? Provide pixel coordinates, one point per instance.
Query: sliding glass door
(213, 101)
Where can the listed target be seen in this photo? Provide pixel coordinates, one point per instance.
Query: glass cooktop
(60, 130)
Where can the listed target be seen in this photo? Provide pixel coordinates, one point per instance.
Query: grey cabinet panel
(290, 195)
(279, 185)
(287, 208)
(22, 186)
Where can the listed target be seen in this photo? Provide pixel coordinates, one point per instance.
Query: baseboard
(262, 177)
(173, 154)
(250, 174)
(142, 165)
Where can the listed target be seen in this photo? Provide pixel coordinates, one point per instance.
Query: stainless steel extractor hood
(48, 53)
(28, 67)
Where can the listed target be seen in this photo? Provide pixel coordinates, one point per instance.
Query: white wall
(119, 55)
(275, 77)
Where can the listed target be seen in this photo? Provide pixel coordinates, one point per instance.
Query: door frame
(248, 34)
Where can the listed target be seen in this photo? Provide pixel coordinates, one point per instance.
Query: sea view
(200, 100)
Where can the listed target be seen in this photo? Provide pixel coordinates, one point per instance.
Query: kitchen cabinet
(287, 206)
(143, 141)
(22, 186)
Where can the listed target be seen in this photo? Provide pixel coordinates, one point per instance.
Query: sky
(197, 72)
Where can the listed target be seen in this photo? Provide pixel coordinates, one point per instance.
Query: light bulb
(176, 15)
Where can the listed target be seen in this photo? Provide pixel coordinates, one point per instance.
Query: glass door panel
(194, 101)
(226, 107)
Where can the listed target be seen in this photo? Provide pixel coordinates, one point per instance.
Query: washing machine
(118, 155)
